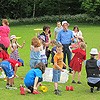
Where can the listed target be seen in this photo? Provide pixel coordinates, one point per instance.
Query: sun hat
(65, 22)
(94, 51)
(14, 37)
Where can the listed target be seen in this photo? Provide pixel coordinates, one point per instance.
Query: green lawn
(91, 35)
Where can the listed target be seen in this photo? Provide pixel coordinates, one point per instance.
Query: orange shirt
(58, 58)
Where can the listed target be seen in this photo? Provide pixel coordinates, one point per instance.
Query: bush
(79, 18)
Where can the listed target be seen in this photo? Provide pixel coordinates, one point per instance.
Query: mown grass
(91, 35)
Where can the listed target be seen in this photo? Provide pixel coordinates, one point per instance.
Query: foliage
(92, 7)
(79, 18)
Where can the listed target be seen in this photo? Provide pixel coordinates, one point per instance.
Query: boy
(57, 68)
(33, 79)
(10, 67)
(93, 70)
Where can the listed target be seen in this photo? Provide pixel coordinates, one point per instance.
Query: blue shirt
(94, 80)
(64, 37)
(30, 77)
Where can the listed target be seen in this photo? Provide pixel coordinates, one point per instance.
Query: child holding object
(92, 66)
(33, 79)
(14, 47)
(57, 68)
(35, 55)
(76, 62)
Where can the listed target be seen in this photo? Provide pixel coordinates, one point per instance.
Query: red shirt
(4, 55)
(13, 62)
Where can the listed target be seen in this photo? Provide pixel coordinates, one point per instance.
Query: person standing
(65, 37)
(57, 29)
(4, 33)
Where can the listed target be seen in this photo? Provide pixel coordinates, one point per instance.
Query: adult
(93, 70)
(65, 37)
(57, 29)
(77, 33)
(46, 34)
(4, 33)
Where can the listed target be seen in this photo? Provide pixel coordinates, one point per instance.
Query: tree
(92, 7)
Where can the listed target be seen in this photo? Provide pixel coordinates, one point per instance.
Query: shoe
(36, 92)
(98, 88)
(22, 90)
(57, 92)
(10, 87)
(73, 81)
(91, 89)
(79, 82)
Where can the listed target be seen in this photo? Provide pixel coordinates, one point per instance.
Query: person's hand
(62, 70)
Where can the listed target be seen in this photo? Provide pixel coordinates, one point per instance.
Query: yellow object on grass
(43, 88)
(38, 29)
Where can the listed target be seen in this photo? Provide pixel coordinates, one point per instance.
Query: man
(65, 37)
(57, 29)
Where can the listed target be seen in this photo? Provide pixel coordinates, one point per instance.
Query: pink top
(4, 35)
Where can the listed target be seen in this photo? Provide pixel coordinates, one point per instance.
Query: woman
(77, 33)
(4, 33)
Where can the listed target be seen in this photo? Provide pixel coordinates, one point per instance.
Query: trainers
(91, 89)
(57, 92)
(36, 92)
(98, 88)
(22, 91)
(79, 82)
(10, 87)
(73, 81)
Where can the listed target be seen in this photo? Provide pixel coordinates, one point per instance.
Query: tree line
(15, 9)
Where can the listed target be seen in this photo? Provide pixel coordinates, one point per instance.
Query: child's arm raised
(21, 46)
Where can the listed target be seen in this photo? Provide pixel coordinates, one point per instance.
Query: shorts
(56, 75)
(6, 66)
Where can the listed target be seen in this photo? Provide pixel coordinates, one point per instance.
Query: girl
(76, 62)
(43, 49)
(35, 56)
(33, 79)
(14, 47)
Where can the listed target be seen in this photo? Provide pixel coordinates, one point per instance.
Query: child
(57, 68)
(76, 62)
(93, 70)
(3, 55)
(14, 47)
(35, 56)
(43, 49)
(33, 79)
(53, 50)
(10, 67)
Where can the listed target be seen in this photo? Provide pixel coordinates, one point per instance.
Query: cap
(21, 61)
(65, 22)
(94, 51)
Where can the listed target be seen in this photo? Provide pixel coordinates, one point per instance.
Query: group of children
(38, 62)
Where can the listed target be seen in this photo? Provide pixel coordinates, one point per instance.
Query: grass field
(91, 34)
